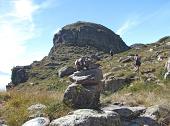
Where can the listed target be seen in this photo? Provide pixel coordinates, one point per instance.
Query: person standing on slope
(137, 62)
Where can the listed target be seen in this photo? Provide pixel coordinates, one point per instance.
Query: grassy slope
(50, 89)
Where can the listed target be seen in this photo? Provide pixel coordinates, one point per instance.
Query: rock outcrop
(88, 117)
(88, 34)
(20, 74)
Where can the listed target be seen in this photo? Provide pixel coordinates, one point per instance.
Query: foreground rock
(88, 117)
(79, 96)
(39, 121)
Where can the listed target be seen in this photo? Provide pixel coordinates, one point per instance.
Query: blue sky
(27, 26)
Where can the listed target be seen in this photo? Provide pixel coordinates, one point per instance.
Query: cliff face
(89, 34)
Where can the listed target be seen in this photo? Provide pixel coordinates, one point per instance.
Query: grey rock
(88, 117)
(79, 96)
(66, 71)
(37, 107)
(36, 110)
(39, 121)
(113, 84)
(156, 112)
(87, 77)
(143, 121)
(126, 111)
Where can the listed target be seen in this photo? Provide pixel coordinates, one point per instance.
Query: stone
(78, 96)
(36, 110)
(88, 117)
(37, 107)
(87, 77)
(113, 84)
(39, 121)
(126, 112)
(66, 71)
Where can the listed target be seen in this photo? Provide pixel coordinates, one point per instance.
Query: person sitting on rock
(80, 63)
(167, 66)
(137, 63)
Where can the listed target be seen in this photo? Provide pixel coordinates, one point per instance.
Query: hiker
(111, 53)
(82, 63)
(137, 62)
(167, 66)
(160, 58)
(79, 63)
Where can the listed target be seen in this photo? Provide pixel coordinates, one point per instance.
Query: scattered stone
(36, 110)
(37, 107)
(39, 121)
(88, 117)
(66, 71)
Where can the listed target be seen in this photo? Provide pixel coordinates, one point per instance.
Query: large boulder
(79, 96)
(66, 71)
(87, 77)
(39, 121)
(88, 117)
(20, 74)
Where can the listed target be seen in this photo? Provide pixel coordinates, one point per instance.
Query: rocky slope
(120, 96)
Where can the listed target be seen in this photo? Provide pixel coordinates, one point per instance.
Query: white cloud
(24, 9)
(126, 26)
(17, 27)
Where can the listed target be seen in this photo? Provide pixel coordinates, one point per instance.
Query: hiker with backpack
(137, 62)
(111, 53)
(82, 63)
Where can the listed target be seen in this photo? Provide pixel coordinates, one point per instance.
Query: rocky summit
(89, 34)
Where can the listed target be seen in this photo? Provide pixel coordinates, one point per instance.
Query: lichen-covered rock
(66, 71)
(88, 117)
(79, 96)
(39, 121)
